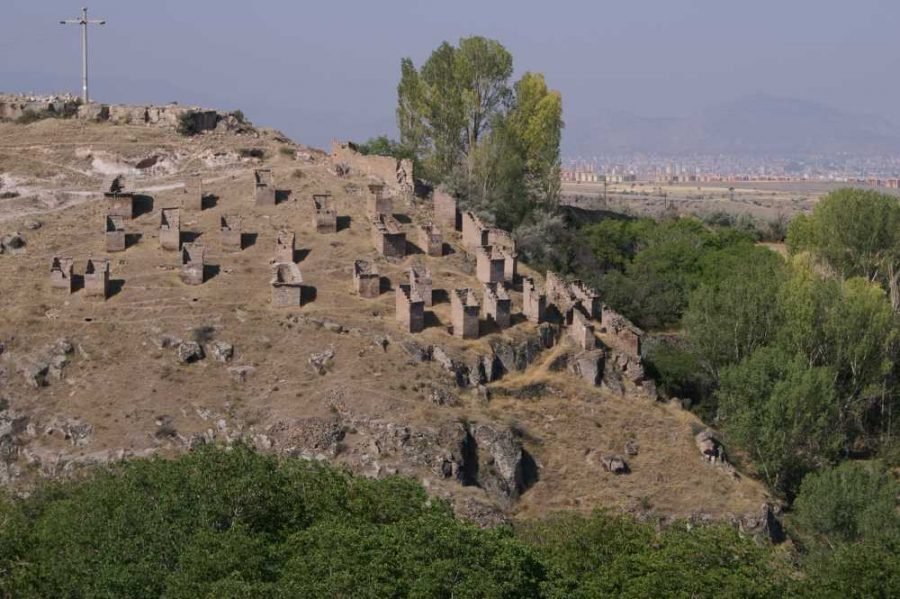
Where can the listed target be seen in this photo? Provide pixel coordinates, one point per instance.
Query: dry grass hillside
(373, 406)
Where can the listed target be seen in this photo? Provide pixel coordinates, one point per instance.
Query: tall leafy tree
(855, 232)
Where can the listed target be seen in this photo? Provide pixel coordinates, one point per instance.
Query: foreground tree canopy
(234, 523)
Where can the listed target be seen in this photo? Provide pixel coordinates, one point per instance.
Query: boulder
(189, 352)
(416, 351)
(36, 373)
(221, 351)
(615, 464)
(12, 242)
(494, 460)
(32, 225)
(709, 446)
(319, 361)
(240, 374)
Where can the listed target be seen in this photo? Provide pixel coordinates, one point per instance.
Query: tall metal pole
(84, 22)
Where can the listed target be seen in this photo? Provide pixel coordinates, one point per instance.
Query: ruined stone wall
(61, 268)
(445, 211)
(120, 204)
(420, 283)
(263, 187)
(582, 331)
(284, 246)
(497, 305)
(366, 279)
(377, 203)
(558, 292)
(287, 285)
(588, 298)
(193, 263)
(193, 194)
(115, 234)
(324, 214)
(464, 311)
(490, 266)
(474, 232)
(14, 106)
(629, 336)
(534, 303)
(96, 278)
(410, 309)
(170, 229)
(231, 226)
(388, 238)
(431, 240)
(396, 174)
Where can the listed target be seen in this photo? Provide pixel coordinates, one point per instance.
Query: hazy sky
(319, 70)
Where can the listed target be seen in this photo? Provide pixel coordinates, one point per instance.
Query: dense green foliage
(647, 269)
(235, 523)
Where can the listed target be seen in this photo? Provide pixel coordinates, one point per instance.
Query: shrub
(251, 153)
(187, 123)
(287, 151)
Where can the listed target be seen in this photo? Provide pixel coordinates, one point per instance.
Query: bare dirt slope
(375, 406)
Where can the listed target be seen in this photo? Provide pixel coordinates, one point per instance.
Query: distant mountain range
(751, 125)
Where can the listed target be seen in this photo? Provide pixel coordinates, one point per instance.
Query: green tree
(606, 556)
(855, 232)
(849, 503)
(446, 108)
(733, 312)
(784, 413)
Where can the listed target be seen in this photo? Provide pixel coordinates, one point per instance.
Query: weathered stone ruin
(366, 279)
(581, 330)
(118, 201)
(231, 226)
(627, 334)
(505, 245)
(96, 278)
(446, 213)
(14, 106)
(420, 282)
(377, 203)
(431, 240)
(193, 263)
(474, 232)
(490, 265)
(287, 286)
(284, 246)
(170, 116)
(497, 305)
(464, 312)
(61, 273)
(193, 193)
(263, 187)
(115, 234)
(396, 174)
(534, 303)
(588, 298)
(324, 213)
(388, 237)
(410, 309)
(170, 228)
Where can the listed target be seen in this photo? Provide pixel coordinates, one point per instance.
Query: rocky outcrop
(493, 459)
(710, 447)
(508, 354)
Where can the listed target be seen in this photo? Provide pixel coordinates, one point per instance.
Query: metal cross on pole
(84, 22)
